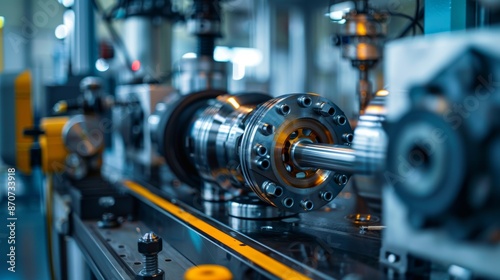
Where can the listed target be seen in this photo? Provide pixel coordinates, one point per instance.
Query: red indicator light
(136, 65)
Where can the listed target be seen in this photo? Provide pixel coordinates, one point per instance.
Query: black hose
(415, 22)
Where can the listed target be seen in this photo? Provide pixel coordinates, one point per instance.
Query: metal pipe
(83, 40)
(324, 156)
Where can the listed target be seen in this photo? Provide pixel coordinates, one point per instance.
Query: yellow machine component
(208, 272)
(51, 142)
(23, 119)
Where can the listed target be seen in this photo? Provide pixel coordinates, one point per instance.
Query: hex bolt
(272, 190)
(260, 150)
(304, 101)
(266, 129)
(149, 246)
(340, 120)
(284, 109)
(348, 137)
(307, 205)
(327, 196)
(324, 109)
(341, 179)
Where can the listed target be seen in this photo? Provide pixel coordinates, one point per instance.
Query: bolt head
(304, 101)
(273, 190)
(307, 205)
(348, 137)
(340, 120)
(267, 129)
(284, 109)
(325, 109)
(341, 179)
(150, 243)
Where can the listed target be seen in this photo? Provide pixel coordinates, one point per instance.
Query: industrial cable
(418, 24)
(419, 15)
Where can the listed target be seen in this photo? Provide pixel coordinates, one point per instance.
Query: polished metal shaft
(324, 156)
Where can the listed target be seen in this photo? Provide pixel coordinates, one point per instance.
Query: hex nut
(273, 190)
(325, 109)
(151, 246)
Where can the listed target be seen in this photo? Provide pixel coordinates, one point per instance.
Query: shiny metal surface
(214, 139)
(132, 136)
(370, 143)
(276, 125)
(232, 142)
(251, 207)
(329, 157)
(367, 153)
(324, 244)
(149, 42)
(201, 73)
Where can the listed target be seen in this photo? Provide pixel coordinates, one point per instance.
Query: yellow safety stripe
(271, 265)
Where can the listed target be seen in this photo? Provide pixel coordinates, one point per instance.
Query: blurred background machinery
(182, 139)
(442, 183)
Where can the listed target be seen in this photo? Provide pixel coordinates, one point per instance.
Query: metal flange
(271, 131)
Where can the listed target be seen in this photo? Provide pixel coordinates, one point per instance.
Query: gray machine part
(133, 135)
(148, 41)
(370, 143)
(195, 74)
(82, 135)
(423, 60)
(362, 35)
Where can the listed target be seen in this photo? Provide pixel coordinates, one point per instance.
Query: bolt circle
(305, 120)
